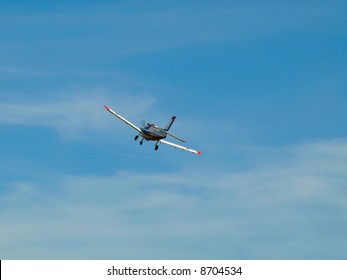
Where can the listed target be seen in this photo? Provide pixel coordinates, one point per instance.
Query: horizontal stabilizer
(175, 136)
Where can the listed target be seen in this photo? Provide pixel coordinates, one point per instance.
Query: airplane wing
(121, 118)
(180, 147)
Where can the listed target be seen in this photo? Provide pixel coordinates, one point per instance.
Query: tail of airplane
(167, 127)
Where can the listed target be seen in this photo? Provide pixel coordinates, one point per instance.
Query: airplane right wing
(123, 119)
(180, 147)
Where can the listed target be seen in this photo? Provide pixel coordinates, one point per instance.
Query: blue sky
(258, 86)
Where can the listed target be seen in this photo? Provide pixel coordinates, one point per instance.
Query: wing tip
(198, 152)
(107, 108)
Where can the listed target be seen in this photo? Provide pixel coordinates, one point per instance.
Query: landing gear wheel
(156, 147)
(141, 142)
(136, 137)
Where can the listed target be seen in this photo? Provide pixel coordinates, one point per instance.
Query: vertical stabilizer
(167, 127)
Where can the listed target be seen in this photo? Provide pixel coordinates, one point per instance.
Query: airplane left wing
(121, 118)
(180, 147)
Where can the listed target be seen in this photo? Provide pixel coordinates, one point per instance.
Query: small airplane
(152, 132)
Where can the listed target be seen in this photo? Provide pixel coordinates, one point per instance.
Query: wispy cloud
(190, 24)
(129, 29)
(73, 116)
(298, 201)
(16, 71)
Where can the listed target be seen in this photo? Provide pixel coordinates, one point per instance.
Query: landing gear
(136, 137)
(156, 147)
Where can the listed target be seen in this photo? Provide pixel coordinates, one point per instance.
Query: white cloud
(280, 210)
(74, 116)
